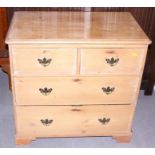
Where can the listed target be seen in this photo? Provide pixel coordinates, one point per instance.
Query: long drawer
(112, 61)
(76, 90)
(57, 121)
(30, 61)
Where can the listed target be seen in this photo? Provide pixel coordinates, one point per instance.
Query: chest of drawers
(75, 73)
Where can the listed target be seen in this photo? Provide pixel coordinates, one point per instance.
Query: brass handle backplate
(104, 120)
(112, 61)
(46, 121)
(108, 90)
(44, 62)
(45, 91)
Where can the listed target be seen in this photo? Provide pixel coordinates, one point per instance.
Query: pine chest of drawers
(75, 73)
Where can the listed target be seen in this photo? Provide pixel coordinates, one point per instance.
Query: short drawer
(30, 61)
(112, 61)
(76, 90)
(66, 121)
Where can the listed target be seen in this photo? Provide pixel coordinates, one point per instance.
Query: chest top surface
(75, 27)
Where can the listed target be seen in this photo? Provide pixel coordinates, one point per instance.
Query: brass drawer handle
(44, 62)
(112, 61)
(46, 122)
(108, 90)
(104, 120)
(45, 91)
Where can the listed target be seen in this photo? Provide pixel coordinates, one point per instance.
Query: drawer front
(76, 91)
(55, 121)
(112, 61)
(43, 61)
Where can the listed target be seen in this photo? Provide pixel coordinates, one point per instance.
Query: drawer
(43, 61)
(76, 90)
(59, 121)
(112, 61)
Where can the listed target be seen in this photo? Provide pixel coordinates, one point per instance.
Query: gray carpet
(143, 126)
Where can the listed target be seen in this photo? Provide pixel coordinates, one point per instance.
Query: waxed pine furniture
(75, 73)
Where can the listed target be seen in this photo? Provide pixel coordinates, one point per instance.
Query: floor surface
(143, 126)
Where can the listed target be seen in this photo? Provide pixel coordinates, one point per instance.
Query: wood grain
(67, 123)
(3, 27)
(77, 104)
(63, 61)
(125, 138)
(43, 27)
(145, 16)
(94, 61)
(76, 90)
